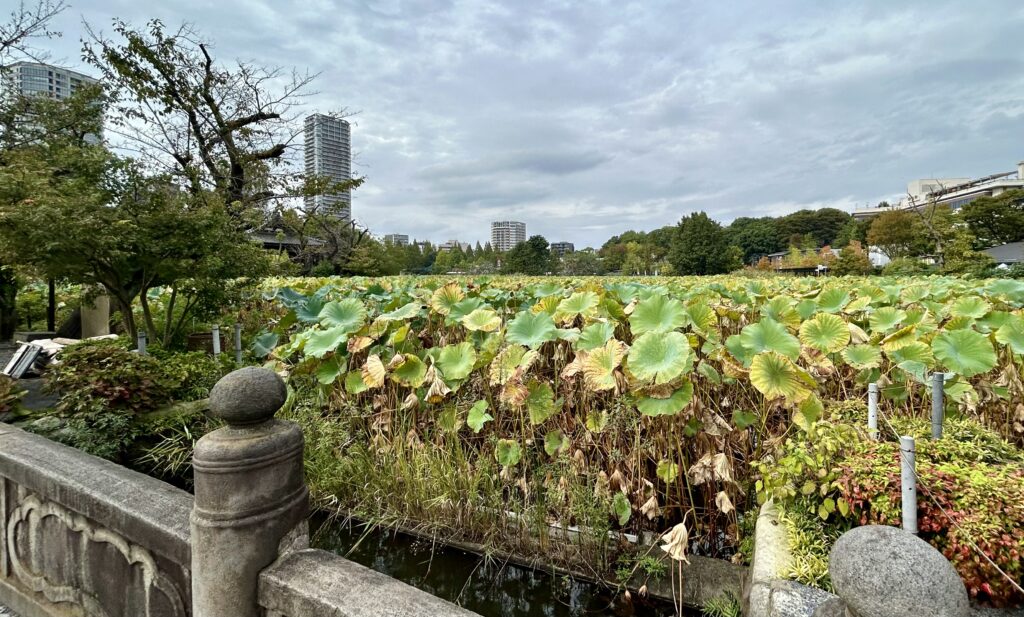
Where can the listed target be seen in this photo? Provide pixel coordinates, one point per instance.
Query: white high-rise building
(397, 239)
(506, 234)
(329, 154)
(37, 79)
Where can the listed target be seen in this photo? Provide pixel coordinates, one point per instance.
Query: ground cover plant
(507, 410)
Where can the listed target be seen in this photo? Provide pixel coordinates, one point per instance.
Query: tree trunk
(8, 310)
(51, 305)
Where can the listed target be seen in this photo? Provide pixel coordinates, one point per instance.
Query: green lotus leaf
(857, 305)
(826, 333)
(702, 317)
(354, 383)
(1011, 334)
(465, 307)
(770, 335)
(507, 452)
(833, 300)
(596, 421)
(964, 352)
(478, 416)
(782, 309)
(621, 508)
(399, 335)
(328, 371)
(657, 313)
(322, 342)
(347, 315)
(735, 346)
(709, 372)
(411, 373)
(555, 442)
(264, 344)
(808, 412)
(457, 361)
(402, 313)
(886, 318)
(579, 303)
(743, 419)
(775, 375)
(660, 357)
(505, 363)
(540, 402)
(600, 364)
(481, 320)
(309, 311)
(445, 298)
(595, 335)
(670, 406)
(862, 356)
(900, 338)
(970, 306)
(667, 471)
(531, 330)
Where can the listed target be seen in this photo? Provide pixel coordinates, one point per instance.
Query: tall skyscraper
(506, 234)
(329, 154)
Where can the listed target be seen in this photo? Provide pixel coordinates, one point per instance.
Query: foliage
(853, 259)
(896, 233)
(725, 605)
(755, 237)
(907, 266)
(581, 263)
(10, 395)
(530, 257)
(996, 220)
(107, 434)
(701, 246)
(823, 226)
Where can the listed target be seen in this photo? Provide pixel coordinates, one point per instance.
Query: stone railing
(82, 536)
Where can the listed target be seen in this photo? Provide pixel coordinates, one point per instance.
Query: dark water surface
(488, 587)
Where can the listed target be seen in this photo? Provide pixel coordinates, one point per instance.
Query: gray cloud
(586, 119)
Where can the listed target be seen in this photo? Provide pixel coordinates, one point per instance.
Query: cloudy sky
(584, 119)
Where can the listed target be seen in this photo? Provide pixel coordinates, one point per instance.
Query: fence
(85, 536)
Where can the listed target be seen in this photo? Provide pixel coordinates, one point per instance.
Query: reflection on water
(490, 588)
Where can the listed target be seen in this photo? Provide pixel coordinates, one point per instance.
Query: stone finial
(250, 395)
(881, 571)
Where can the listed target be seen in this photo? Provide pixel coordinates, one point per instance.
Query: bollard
(938, 406)
(908, 481)
(238, 344)
(873, 410)
(141, 346)
(216, 340)
(251, 498)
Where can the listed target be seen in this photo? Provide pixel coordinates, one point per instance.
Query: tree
(853, 231)
(530, 257)
(996, 220)
(895, 233)
(755, 236)
(702, 247)
(823, 224)
(853, 259)
(221, 129)
(582, 263)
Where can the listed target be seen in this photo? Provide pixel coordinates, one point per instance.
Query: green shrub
(193, 373)
(10, 395)
(106, 434)
(906, 266)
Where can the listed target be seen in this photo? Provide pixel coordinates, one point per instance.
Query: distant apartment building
(36, 79)
(953, 192)
(452, 244)
(561, 248)
(397, 239)
(506, 234)
(328, 144)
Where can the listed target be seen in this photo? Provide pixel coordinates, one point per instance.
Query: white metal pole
(238, 344)
(873, 410)
(216, 340)
(938, 406)
(908, 480)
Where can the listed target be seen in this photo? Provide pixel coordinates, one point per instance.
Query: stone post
(250, 494)
(96, 317)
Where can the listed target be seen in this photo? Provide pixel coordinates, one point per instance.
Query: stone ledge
(142, 509)
(771, 558)
(315, 582)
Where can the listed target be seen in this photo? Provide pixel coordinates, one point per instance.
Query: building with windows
(952, 192)
(37, 79)
(451, 245)
(397, 239)
(506, 234)
(562, 248)
(328, 146)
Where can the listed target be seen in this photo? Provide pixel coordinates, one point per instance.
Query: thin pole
(938, 406)
(51, 306)
(142, 342)
(238, 344)
(908, 480)
(216, 340)
(873, 410)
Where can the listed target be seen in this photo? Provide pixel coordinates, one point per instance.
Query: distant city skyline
(588, 120)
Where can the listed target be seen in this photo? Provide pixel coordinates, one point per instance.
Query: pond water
(488, 587)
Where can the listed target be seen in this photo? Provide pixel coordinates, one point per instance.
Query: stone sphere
(882, 571)
(249, 395)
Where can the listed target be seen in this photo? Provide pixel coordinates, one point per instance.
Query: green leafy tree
(582, 263)
(996, 220)
(853, 259)
(755, 236)
(530, 257)
(823, 225)
(701, 246)
(896, 234)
